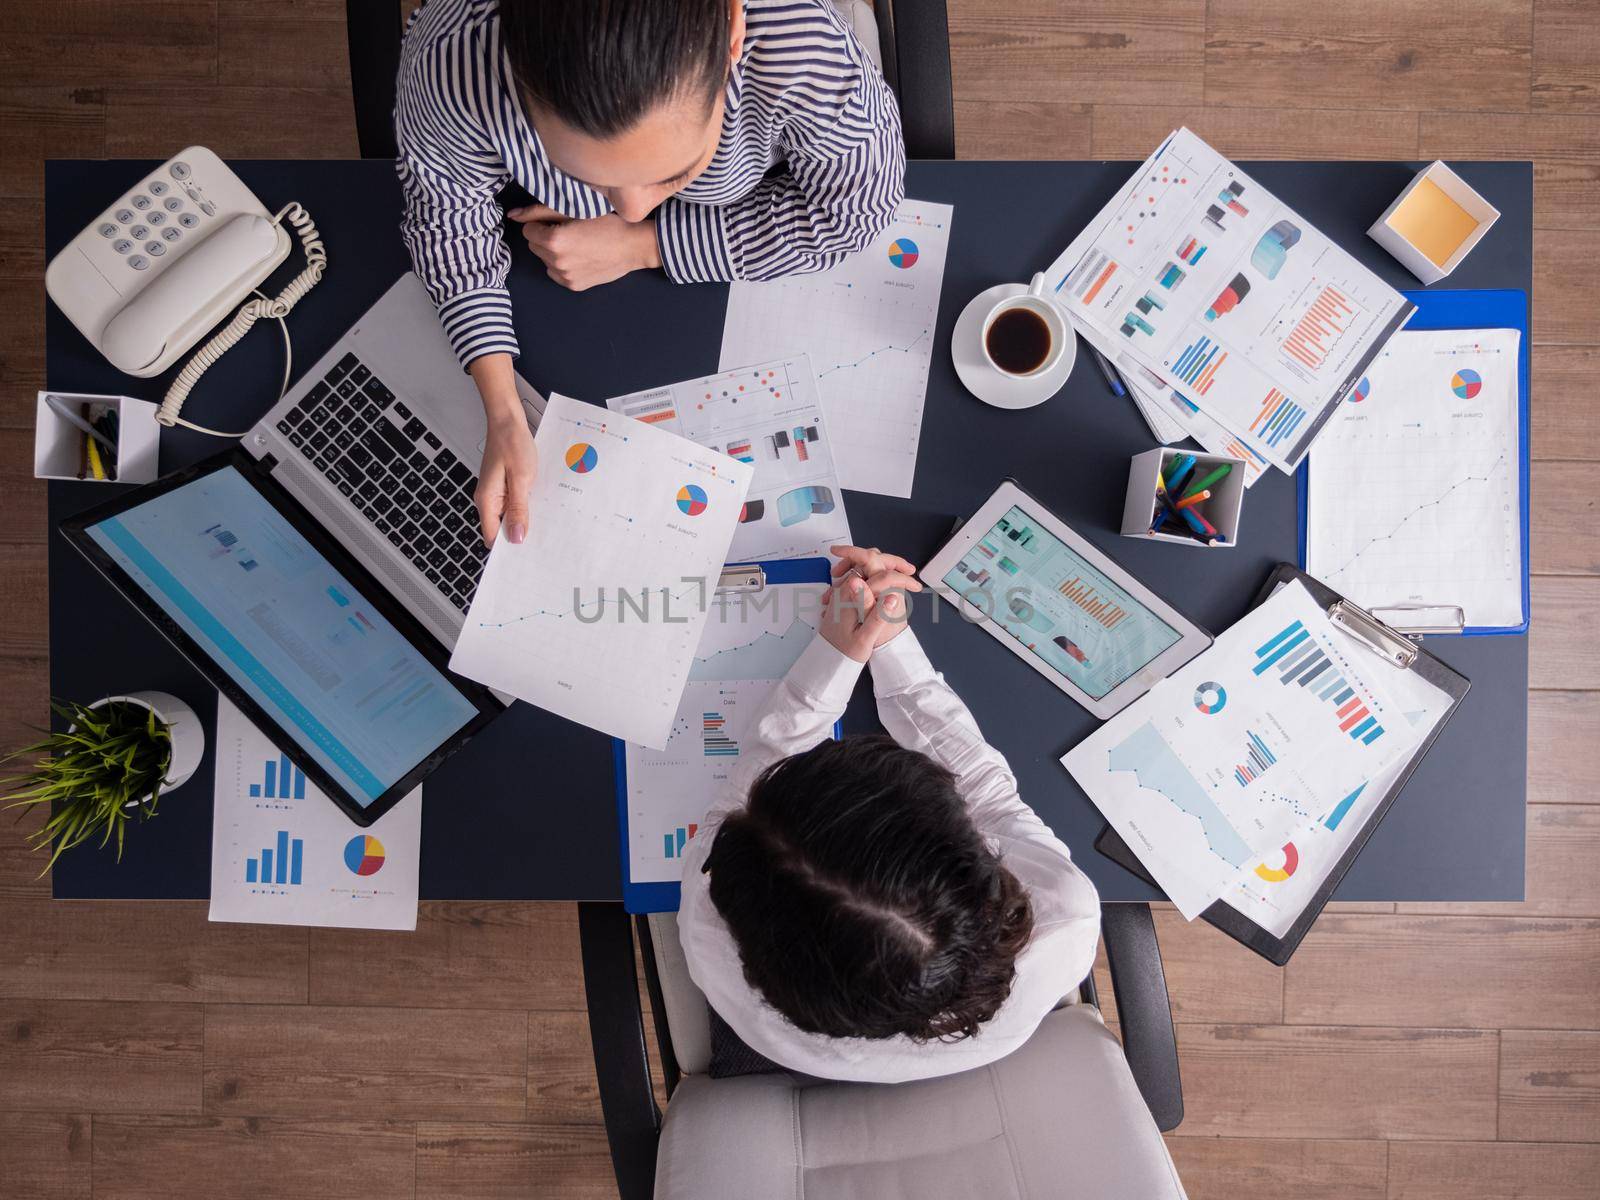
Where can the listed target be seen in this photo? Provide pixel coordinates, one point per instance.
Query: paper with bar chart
(282, 853)
(1222, 762)
(767, 415)
(867, 324)
(1213, 437)
(750, 642)
(1277, 888)
(1205, 278)
(596, 615)
(1414, 495)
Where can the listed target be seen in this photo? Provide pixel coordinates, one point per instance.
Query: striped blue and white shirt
(803, 94)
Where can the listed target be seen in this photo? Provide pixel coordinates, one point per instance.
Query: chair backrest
(913, 41)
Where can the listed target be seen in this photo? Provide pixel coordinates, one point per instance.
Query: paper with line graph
(1414, 492)
(596, 615)
(868, 326)
(767, 415)
(1220, 763)
(1202, 277)
(750, 642)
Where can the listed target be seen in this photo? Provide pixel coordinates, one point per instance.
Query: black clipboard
(1403, 654)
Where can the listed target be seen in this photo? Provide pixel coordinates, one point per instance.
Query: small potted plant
(109, 766)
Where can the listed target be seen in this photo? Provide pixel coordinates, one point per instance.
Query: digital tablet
(1062, 606)
(289, 626)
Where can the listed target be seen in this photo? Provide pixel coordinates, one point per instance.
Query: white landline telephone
(147, 278)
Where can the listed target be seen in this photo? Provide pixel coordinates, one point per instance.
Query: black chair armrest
(914, 36)
(1143, 1010)
(372, 29)
(621, 1062)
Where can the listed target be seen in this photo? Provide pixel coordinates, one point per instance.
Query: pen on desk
(1113, 380)
(1202, 484)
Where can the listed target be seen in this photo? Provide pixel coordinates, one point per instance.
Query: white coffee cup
(1035, 301)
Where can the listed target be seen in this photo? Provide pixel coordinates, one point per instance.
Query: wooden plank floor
(1435, 1051)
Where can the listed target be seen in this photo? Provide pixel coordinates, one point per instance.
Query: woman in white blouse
(879, 909)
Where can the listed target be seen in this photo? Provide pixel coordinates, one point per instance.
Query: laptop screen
(289, 628)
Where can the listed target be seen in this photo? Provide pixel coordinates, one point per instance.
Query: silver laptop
(381, 440)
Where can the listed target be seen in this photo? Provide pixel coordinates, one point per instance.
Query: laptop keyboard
(396, 472)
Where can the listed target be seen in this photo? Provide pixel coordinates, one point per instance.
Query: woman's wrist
(649, 246)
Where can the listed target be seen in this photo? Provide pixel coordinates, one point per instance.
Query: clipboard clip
(1395, 647)
(742, 577)
(1420, 620)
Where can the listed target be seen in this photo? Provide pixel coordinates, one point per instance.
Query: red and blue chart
(691, 499)
(1278, 418)
(1209, 697)
(903, 253)
(364, 854)
(1361, 391)
(1300, 659)
(1466, 383)
(582, 458)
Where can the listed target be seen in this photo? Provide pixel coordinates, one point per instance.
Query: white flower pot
(188, 735)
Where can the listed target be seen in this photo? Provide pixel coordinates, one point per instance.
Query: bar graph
(281, 780)
(674, 842)
(714, 738)
(1300, 659)
(1198, 364)
(280, 865)
(1257, 758)
(1311, 339)
(1085, 597)
(1190, 250)
(1279, 417)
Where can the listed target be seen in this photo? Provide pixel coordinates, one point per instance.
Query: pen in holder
(1179, 496)
(106, 439)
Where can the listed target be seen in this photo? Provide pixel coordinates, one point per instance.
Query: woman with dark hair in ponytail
(879, 908)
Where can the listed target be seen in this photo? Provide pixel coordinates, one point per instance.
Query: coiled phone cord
(251, 312)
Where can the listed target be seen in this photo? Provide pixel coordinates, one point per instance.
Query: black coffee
(1018, 340)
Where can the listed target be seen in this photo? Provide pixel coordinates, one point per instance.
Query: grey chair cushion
(688, 1014)
(1060, 1118)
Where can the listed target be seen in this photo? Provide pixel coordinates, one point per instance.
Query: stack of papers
(767, 415)
(596, 615)
(1214, 770)
(1196, 281)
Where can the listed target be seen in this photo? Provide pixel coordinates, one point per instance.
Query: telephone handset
(146, 279)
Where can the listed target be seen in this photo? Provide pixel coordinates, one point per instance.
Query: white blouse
(921, 712)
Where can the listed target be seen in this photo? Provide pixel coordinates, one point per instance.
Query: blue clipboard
(664, 897)
(1504, 308)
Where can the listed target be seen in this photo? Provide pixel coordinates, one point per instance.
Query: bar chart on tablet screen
(868, 325)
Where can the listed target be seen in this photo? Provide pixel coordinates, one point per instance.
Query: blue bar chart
(280, 780)
(281, 864)
(1300, 659)
(674, 842)
(1257, 758)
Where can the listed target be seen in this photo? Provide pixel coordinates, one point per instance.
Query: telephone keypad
(124, 215)
(138, 262)
(108, 230)
(188, 220)
(180, 171)
(171, 234)
(141, 201)
(140, 232)
(154, 249)
(155, 217)
(122, 245)
(158, 187)
(172, 203)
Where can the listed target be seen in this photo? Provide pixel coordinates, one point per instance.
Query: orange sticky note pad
(1432, 222)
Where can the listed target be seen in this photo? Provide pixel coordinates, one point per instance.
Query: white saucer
(988, 384)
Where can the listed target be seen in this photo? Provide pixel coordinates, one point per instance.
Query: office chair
(1070, 1113)
(913, 48)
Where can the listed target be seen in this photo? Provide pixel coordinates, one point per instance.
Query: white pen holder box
(58, 443)
(1221, 509)
(1434, 223)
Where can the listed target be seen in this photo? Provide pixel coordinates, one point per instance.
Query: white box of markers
(1221, 510)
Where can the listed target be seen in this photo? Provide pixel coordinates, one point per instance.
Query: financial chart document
(867, 325)
(1414, 492)
(596, 615)
(1198, 275)
(767, 415)
(1218, 765)
(750, 642)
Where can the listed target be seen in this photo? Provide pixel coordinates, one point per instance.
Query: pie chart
(903, 253)
(1291, 860)
(363, 854)
(581, 457)
(1361, 391)
(1209, 697)
(1466, 383)
(691, 499)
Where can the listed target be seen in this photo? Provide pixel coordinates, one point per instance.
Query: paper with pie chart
(767, 415)
(750, 642)
(595, 616)
(1413, 496)
(282, 853)
(867, 324)
(1215, 768)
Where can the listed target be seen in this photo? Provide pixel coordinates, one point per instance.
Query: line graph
(872, 354)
